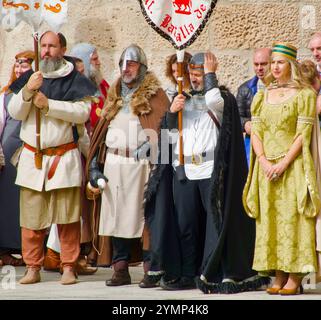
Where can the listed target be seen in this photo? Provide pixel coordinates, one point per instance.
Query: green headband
(289, 52)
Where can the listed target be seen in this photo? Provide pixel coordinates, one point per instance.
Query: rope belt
(56, 152)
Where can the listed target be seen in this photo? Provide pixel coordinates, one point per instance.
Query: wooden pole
(38, 154)
(180, 113)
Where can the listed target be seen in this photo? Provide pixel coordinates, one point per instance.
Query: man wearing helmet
(214, 239)
(129, 129)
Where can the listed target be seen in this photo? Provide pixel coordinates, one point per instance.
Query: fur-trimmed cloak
(229, 253)
(149, 102)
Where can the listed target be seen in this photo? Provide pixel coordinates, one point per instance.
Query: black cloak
(229, 248)
(72, 87)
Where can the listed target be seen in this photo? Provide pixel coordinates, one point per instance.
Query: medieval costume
(291, 202)
(84, 52)
(52, 194)
(222, 247)
(284, 200)
(10, 235)
(130, 121)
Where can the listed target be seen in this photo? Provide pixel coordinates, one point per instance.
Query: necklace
(281, 87)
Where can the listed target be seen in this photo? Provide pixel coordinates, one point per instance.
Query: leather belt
(127, 153)
(57, 152)
(198, 159)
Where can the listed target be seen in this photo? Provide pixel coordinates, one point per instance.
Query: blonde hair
(297, 81)
(309, 72)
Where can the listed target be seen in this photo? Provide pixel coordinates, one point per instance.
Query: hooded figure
(88, 55)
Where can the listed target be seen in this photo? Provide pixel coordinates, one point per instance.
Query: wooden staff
(180, 170)
(38, 153)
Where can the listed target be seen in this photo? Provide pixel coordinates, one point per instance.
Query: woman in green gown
(281, 190)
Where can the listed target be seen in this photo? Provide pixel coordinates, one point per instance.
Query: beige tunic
(56, 130)
(57, 200)
(122, 213)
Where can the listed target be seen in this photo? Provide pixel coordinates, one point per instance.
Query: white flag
(178, 21)
(34, 12)
(55, 13)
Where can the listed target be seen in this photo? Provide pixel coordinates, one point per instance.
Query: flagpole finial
(180, 55)
(35, 35)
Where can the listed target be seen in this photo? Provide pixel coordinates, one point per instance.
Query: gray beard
(95, 76)
(197, 88)
(51, 65)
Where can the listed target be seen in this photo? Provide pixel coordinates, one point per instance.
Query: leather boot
(83, 268)
(32, 275)
(151, 279)
(52, 261)
(121, 276)
(68, 276)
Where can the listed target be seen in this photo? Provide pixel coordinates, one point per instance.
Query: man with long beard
(51, 194)
(92, 70)
(88, 56)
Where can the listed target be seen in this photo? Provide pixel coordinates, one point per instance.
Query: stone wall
(236, 28)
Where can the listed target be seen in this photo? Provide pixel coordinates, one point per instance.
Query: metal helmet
(133, 53)
(197, 61)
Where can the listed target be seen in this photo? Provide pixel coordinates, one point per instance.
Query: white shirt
(200, 134)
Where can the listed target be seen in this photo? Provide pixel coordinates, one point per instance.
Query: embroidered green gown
(284, 209)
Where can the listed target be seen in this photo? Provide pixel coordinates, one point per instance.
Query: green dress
(284, 209)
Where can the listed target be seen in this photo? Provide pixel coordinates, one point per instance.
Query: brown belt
(58, 152)
(127, 153)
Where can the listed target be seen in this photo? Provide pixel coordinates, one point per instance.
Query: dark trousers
(122, 250)
(192, 203)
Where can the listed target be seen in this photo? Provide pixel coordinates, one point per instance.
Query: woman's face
(175, 71)
(281, 69)
(22, 65)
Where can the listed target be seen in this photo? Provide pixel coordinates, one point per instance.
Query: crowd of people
(205, 189)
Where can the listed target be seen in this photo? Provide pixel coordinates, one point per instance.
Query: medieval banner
(34, 12)
(178, 21)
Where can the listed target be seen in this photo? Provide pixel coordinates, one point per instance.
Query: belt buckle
(197, 159)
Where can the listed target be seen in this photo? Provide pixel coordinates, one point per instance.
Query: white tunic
(56, 130)
(200, 134)
(122, 213)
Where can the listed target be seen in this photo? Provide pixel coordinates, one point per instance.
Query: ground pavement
(93, 288)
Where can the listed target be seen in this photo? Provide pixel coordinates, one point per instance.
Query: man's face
(51, 48)
(94, 60)
(131, 72)
(315, 48)
(197, 79)
(261, 63)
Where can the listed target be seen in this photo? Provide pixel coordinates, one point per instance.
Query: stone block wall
(236, 28)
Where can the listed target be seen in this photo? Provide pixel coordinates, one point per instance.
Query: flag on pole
(178, 21)
(34, 12)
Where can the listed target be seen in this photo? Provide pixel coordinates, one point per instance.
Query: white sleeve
(18, 108)
(74, 112)
(215, 102)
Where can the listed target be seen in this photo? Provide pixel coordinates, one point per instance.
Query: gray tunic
(9, 193)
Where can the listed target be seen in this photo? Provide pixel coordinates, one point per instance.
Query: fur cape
(149, 102)
(229, 253)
